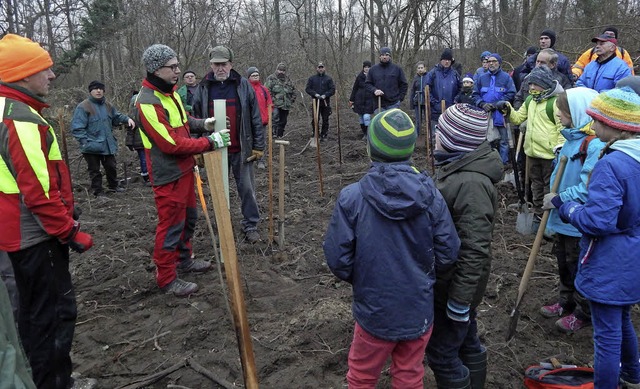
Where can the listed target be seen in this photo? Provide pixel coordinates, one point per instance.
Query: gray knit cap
(252, 70)
(155, 56)
(541, 76)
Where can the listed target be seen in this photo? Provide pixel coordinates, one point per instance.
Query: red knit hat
(21, 57)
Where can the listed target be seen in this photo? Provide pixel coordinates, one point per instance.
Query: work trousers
(540, 176)
(177, 215)
(47, 311)
(279, 119)
(244, 174)
(109, 164)
(567, 251)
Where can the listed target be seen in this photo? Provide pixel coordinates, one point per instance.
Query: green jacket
(15, 372)
(283, 92)
(183, 92)
(468, 186)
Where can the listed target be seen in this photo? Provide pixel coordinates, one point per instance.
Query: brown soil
(299, 314)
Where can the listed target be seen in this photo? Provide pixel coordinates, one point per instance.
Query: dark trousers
(325, 112)
(109, 164)
(567, 251)
(540, 175)
(280, 117)
(47, 311)
(451, 339)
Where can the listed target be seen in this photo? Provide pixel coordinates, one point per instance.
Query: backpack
(539, 377)
(584, 146)
(548, 108)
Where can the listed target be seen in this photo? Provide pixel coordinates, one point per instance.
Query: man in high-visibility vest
(36, 202)
(165, 129)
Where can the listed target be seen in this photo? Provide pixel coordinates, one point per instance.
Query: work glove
(210, 124)
(488, 107)
(77, 240)
(457, 311)
(547, 201)
(77, 211)
(323, 97)
(504, 107)
(350, 104)
(255, 155)
(220, 139)
(317, 95)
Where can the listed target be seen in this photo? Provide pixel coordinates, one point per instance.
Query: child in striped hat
(608, 270)
(390, 233)
(466, 177)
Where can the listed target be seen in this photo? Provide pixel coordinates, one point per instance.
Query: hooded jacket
(444, 84)
(608, 270)
(542, 134)
(468, 186)
(263, 96)
(573, 186)
(92, 123)
(390, 233)
(363, 99)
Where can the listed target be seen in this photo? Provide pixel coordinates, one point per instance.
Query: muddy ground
(299, 313)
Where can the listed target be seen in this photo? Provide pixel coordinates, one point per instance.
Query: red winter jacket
(36, 199)
(264, 100)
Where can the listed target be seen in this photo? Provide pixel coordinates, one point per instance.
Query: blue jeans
(614, 342)
(365, 119)
(504, 144)
(418, 111)
(449, 340)
(390, 106)
(243, 173)
(143, 162)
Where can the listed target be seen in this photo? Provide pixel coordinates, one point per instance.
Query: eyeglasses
(255, 75)
(174, 67)
(492, 61)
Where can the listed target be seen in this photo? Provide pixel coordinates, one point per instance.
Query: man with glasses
(603, 73)
(245, 123)
(165, 131)
(186, 91)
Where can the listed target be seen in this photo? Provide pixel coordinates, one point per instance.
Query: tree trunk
(461, 18)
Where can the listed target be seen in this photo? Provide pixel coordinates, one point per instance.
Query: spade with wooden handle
(528, 270)
(282, 143)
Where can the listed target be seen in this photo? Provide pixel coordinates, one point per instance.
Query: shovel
(528, 270)
(524, 221)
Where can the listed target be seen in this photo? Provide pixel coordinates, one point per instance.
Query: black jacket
(389, 78)
(363, 100)
(322, 85)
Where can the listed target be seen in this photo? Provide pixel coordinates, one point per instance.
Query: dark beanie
(95, 85)
(392, 136)
(366, 64)
(463, 127)
(530, 51)
(613, 30)
(188, 72)
(551, 34)
(446, 54)
(251, 70)
(281, 66)
(541, 76)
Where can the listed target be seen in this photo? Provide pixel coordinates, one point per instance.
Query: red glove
(81, 242)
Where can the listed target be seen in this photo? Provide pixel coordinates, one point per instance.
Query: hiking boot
(554, 310)
(252, 236)
(118, 189)
(570, 324)
(193, 266)
(180, 288)
(79, 382)
(261, 165)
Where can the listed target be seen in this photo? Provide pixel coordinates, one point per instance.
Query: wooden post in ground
(270, 172)
(213, 163)
(282, 144)
(318, 155)
(338, 123)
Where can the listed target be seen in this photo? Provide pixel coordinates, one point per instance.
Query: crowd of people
(415, 291)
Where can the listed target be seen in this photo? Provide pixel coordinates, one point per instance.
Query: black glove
(77, 211)
(488, 107)
(503, 107)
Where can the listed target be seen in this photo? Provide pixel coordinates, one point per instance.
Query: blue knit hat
(484, 55)
(497, 56)
(392, 136)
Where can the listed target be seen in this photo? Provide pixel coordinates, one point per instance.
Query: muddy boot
(455, 383)
(477, 365)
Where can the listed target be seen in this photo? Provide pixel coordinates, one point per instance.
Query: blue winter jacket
(494, 87)
(604, 76)
(444, 84)
(576, 174)
(92, 124)
(388, 236)
(608, 270)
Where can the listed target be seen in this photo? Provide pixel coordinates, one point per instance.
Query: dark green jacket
(468, 186)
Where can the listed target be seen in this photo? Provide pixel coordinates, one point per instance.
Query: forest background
(104, 39)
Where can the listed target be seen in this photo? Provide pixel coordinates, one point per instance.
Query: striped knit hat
(392, 136)
(617, 108)
(462, 127)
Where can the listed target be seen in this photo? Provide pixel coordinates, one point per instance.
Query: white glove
(546, 201)
(556, 149)
(210, 124)
(323, 97)
(220, 139)
(317, 95)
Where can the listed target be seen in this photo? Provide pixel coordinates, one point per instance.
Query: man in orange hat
(36, 201)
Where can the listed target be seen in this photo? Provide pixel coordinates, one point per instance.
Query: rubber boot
(456, 383)
(477, 365)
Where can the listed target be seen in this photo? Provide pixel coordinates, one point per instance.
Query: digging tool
(316, 123)
(515, 314)
(379, 104)
(338, 124)
(282, 144)
(427, 114)
(213, 161)
(443, 106)
(318, 155)
(524, 221)
(270, 172)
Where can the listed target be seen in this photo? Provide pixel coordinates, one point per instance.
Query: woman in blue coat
(608, 270)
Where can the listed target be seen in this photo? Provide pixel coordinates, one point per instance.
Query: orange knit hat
(21, 57)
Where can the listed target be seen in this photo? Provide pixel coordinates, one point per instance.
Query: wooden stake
(318, 157)
(282, 144)
(270, 172)
(427, 119)
(213, 163)
(338, 123)
(379, 104)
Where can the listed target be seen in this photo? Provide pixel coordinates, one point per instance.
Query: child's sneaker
(554, 310)
(570, 324)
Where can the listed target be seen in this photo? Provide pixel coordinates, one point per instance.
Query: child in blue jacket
(582, 150)
(609, 221)
(389, 234)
